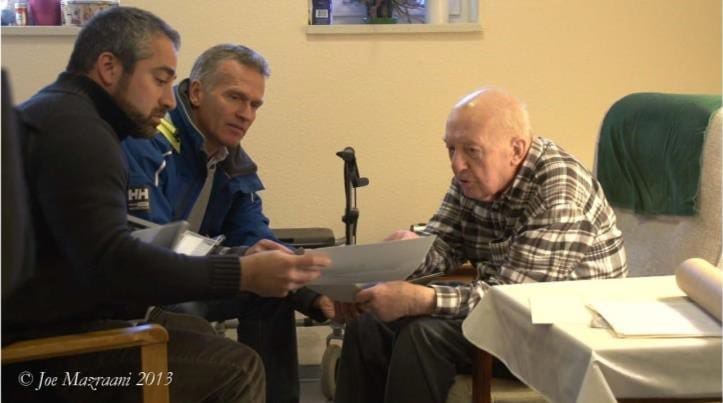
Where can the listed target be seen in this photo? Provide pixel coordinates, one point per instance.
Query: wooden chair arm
(151, 339)
(465, 274)
(90, 342)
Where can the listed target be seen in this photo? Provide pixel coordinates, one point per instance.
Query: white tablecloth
(569, 361)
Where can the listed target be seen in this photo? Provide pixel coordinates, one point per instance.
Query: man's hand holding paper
(395, 299)
(283, 271)
(346, 312)
(401, 235)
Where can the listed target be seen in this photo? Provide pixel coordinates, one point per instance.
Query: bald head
(487, 136)
(494, 113)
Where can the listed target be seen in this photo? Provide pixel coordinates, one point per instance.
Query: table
(570, 361)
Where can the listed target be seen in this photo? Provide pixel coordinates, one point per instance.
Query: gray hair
(204, 69)
(123, 31)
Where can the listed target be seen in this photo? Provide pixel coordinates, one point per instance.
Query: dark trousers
(203, 367)
(267, 325)
(410, 360)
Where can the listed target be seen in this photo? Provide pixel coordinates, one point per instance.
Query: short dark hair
(123, 31)
(204, 68)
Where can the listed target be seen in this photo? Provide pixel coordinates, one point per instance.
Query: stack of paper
(675, 317)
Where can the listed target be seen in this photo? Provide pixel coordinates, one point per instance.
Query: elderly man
(520, 209)
(196, 169)
(91, 274)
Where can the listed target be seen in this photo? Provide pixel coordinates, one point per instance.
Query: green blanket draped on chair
(649, 151)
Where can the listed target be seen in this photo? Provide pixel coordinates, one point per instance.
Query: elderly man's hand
(401, 234)
(395, 299)
(346, 312)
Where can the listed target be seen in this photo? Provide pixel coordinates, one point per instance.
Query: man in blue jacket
(197, 156)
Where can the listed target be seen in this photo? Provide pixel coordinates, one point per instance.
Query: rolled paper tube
(437, 11)
(703, 284)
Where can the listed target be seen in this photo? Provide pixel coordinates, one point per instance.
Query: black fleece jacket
(88, 265)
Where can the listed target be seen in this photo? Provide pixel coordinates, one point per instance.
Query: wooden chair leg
(154, 372)
(481, 377)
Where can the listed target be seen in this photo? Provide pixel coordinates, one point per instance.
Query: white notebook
(673, 317)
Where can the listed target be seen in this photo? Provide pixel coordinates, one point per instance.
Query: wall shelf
(364, 29)
(61, 30)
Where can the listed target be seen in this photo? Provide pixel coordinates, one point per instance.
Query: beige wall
(388, 95)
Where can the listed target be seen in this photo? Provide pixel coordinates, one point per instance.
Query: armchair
(152, 340)
(656, 243)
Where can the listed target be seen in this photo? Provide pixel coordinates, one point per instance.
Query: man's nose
(458, 162)
(168, 100)
(245, 111)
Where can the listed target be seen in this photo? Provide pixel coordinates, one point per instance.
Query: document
(548, 310)
(177, 237)
(671, 317)
(354, 267)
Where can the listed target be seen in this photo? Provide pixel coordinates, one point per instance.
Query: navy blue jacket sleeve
(146, 199)
(246, 223)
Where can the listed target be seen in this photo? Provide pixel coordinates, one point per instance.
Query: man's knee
(248, 361)
(243, 370)
(213, 366)
(420, 330)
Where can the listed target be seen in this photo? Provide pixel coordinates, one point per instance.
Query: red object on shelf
(44, 12)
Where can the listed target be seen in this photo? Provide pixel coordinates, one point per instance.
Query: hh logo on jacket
(139, 198)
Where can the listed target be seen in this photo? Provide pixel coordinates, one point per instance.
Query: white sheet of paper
(568, 309)
(678, 317)
(355, 266)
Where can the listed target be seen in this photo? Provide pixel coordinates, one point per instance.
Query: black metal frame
(352, 180)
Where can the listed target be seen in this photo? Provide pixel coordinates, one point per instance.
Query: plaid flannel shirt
(553, 223)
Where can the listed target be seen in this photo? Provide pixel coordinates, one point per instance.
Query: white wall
(388, 95)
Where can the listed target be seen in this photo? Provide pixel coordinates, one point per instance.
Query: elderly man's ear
(519, 149)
